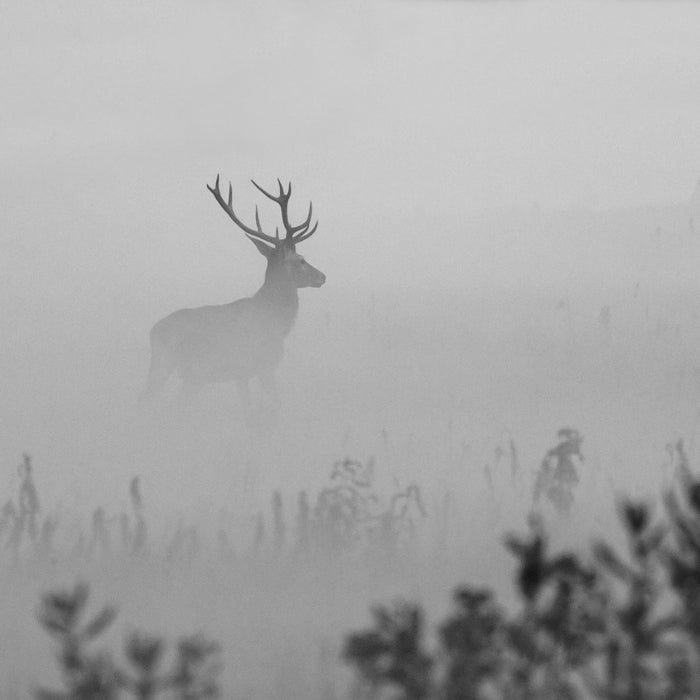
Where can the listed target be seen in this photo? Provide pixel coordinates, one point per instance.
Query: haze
(438, 141)
(488, 178)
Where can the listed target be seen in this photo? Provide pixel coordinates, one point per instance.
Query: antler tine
(302, 232)
(307, 221)
(228, 208)
(306, 234)
(266, 193)
(282, 200)
(230, 195)
(294, 233)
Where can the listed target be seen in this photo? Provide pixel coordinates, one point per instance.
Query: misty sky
(397, 118)
(403, 121)
(522, 162)
(498, 103)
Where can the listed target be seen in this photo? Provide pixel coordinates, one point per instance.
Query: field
(508, 218)
(458, 393)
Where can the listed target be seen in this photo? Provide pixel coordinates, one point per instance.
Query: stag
(245, 338)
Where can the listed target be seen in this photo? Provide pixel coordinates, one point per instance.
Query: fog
(489, 178)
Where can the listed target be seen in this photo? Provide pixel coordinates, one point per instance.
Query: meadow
(510, 242)
(446, 400)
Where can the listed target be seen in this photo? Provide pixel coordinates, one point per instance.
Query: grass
(347, 515)
(95, 675)
(428, 382)
(619, 621)
(618, 626)
(345, 522)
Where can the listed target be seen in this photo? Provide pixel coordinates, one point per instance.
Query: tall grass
(615, 623)
(97, 675)
(619, 626)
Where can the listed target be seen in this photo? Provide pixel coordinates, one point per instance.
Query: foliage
(557, 475)
(25, 532)
(347, 515)
(20, 521)
(90, 675)
(349, 512)
(392, 652)
(131, 531)
(615, 627)
(617, 624)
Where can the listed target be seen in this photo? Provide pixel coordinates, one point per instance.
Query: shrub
(619, 627)
(349, 512)
(94, 675)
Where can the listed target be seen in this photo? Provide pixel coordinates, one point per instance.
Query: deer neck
(279, 297)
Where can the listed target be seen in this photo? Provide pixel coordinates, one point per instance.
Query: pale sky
(399, 119)
(502, 102)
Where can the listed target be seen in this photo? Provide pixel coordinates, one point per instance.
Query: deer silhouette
(245, 338)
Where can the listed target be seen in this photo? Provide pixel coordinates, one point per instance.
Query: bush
(614, 627)
(91, 675)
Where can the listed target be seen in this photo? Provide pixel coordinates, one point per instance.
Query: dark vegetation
(619, 626)
(607, 623)
(558, 476)
(348, 515)
(95, 675)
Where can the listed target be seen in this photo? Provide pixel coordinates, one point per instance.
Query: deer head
(283, 262)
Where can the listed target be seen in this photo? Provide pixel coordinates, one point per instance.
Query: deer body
(243, 339)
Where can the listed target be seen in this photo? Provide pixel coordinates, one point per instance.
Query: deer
(243, 339)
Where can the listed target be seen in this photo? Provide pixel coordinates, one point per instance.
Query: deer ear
(265, 249)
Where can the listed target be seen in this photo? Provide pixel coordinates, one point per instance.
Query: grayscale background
(489, 177)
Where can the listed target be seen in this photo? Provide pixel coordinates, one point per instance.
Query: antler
(257, 233)
(295, 234)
